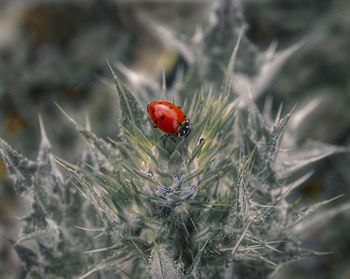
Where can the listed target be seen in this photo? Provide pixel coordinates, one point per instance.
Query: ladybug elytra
(169, 118)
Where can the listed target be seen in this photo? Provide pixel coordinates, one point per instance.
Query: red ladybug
(169, 118)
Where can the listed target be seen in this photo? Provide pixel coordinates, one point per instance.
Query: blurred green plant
(215, 204)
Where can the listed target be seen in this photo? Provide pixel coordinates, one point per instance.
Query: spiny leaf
(293, 256)
(47, 168)
(130, 109)
(230, 68)
(19, 169)
(104, 153)
(112, 261)
(270, 63)
(305, 222)
(242, 201)
(241, 238)
(296, 158)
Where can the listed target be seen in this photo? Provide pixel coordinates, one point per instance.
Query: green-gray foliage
(213, 204)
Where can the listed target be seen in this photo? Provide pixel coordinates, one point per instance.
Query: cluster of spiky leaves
(212, 205)
(50, 243)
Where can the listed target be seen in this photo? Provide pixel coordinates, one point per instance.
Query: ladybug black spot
(170, 108)
(155, 121)
(162, 117)
(153, 111)
(172, 131)
(160, 103)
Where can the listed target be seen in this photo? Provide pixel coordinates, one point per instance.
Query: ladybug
(169, 118)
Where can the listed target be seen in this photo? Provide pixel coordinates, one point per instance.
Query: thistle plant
(214, 204)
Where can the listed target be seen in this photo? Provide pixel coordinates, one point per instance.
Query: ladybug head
(185, 129)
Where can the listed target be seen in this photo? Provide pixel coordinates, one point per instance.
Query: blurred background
(56, 51)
